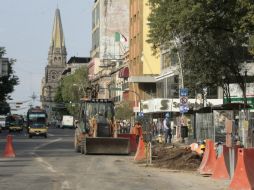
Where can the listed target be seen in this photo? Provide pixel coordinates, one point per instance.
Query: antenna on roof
(57, 4)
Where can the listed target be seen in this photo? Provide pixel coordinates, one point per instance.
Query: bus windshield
(37, 118)
(14, 120)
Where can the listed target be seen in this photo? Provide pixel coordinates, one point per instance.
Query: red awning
(124, 73)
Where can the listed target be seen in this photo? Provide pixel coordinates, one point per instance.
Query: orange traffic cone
(141, 153)
(9, 151)
(221, 170)
(243, 178)
(208, 162)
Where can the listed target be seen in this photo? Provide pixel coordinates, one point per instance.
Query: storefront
(157, 108)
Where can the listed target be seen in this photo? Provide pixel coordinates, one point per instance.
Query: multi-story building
(143, 65)
(56, 65)
(110, 33)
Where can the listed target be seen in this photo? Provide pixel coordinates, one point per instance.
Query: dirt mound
(177, 158)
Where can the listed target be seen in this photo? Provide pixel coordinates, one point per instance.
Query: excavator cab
(96, 131)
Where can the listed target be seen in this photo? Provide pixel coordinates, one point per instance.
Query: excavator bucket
(106, 145)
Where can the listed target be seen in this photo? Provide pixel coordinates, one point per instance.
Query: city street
(45, 164)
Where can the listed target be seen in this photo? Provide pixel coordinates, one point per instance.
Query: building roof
(78, 60)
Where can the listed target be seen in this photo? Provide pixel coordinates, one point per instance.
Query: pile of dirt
(176, 158)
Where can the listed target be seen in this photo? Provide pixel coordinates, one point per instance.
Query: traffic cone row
(243, 177)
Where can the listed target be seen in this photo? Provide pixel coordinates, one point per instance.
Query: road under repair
(45, 164)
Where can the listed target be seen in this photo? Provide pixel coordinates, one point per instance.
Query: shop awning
(124, 73)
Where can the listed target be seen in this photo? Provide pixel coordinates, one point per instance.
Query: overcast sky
(25, 32)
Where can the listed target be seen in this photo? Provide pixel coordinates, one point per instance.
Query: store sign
(236, 91)
(172, 105)
(236, 94)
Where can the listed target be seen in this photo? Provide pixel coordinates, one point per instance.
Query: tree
(209, 36)
(123, 111)
(7, 82)
(72, 88)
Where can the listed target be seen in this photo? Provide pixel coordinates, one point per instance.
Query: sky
(25, 32)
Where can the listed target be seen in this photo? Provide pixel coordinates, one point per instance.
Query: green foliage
(210, 36)
(123, 111)
(72, 89)
(8, 82)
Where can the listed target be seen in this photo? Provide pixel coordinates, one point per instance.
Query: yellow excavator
(96, 131)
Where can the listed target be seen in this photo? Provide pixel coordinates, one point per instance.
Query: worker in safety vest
(137, 131)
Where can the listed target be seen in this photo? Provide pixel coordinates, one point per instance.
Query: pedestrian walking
(167, 129)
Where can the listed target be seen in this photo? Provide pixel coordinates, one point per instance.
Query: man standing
(167, 129)
(138, 131)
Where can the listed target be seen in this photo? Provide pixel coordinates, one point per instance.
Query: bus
(14, 122)
(37, 122)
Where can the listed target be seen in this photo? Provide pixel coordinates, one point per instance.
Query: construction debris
(175, 158)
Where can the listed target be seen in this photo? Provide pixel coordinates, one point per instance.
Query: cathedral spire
(57, 39)
(57, 50)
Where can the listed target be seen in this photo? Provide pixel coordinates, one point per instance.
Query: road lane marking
(46, 164)
(47, 143)
(65, 185)
(41, 160)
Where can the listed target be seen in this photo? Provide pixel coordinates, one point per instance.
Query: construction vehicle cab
(96, 131)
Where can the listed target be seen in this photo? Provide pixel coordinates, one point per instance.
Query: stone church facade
(56, 64)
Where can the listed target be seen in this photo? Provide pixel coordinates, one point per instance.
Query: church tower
(57, 51)
(56, 64)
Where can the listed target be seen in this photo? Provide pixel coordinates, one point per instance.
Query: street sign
(184, 92)
(141, 114)
(183, 100)
(184, 108)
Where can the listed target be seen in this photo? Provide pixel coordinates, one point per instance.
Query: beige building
(143, 66)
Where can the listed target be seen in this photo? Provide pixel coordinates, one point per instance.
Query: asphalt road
(52, 164)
